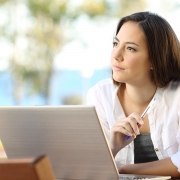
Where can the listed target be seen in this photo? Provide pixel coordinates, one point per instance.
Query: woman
(145, 64)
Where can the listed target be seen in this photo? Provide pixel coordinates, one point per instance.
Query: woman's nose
(118, 54)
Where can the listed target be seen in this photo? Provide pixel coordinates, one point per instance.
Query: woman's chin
(117, 79)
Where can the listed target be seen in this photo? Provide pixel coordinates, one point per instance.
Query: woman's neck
(138, 95)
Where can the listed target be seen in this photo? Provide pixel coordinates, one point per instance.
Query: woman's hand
(128, 126)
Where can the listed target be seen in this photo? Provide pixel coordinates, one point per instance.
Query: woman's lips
(117, 68)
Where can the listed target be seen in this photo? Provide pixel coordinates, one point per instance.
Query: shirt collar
(158, 96)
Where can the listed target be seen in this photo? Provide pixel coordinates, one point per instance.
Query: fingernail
(134, 135)
(137, 132)
(141, 121)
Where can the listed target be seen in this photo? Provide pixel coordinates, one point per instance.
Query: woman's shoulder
(104, 88)
(99, 92)
(173, 86)
(105, 84)
(172, 90)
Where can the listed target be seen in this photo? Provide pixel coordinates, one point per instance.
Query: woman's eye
(131, 49)
(115, 44)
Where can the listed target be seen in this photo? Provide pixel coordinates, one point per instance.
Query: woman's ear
(151, 67)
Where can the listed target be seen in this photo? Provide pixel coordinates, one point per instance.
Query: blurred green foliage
(46, 35)
(54, 10)
(125, 7)
(3, 1)
(95, 7)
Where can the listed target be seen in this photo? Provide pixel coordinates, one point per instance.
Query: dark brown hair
(163, 46)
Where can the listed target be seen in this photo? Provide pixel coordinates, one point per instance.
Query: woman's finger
(137, 117)
(122, 130)
(125, 126)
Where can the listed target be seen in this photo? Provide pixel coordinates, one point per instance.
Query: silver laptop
(71, 136)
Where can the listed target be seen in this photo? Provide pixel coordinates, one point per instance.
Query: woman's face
(129, 58)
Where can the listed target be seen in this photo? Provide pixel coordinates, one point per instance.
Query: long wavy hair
(163, 46)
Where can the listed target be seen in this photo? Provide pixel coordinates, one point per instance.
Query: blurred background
(53, 51)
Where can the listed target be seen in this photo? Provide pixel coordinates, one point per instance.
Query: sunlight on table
(2, 152)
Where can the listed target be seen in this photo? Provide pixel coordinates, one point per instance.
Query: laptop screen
(71, 136)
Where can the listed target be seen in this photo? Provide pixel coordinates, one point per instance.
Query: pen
(156, 178)
(144, 113)
(159, 178)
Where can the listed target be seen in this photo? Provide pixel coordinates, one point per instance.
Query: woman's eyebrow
(132, 43)
(116, 38)
(126, 42)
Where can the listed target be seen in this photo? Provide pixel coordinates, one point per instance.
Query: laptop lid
(71, 136)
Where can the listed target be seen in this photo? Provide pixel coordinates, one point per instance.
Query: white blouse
(164, 119)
